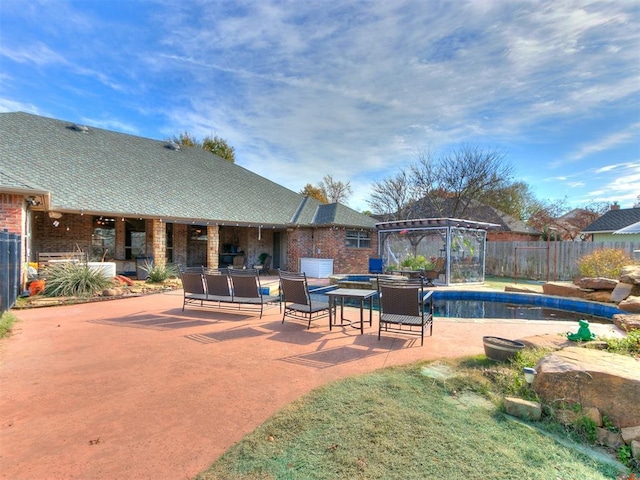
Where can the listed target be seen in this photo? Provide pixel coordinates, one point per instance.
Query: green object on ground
(584, 333)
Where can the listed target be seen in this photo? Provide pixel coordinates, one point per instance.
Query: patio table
(353, 293)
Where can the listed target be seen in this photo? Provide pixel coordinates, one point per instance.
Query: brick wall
(179, 244)
(330, 243)
(72, 233)
(12, 213)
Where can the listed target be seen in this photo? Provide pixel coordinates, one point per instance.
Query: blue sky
(355, 89)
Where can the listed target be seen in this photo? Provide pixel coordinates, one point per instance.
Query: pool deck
(138, 389)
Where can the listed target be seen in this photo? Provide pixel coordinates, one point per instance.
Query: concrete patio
(137, 389)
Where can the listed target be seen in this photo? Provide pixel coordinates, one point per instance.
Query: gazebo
(413, 246)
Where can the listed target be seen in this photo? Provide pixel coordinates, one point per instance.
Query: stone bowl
(501, 349)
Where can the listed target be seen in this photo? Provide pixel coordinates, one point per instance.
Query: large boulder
(603, 296)
(627, 321)
(592, 378)
(563, 290)
(630, 304)
(630, 274)
(598, 283)
(622, 291)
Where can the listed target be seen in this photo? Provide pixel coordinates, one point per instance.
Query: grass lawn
(400, 423)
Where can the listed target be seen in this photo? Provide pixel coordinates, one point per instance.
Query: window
(358, 239)
(135, 238)
(103, 238)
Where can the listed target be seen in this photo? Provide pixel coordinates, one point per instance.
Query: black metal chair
(193, 288)
(297, 301)
(405, 308)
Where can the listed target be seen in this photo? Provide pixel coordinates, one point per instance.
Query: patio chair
(297, 300)
(238, 261)
(245, 285)
(193, 288)
(375, 265)
(218, 288)
(265, 267)
(405, 308)
(431, 275)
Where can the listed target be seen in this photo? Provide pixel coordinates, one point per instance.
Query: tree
(391, 197)
(442, 185)
(216, 145)
(567, 222)
(219, 146)
(335, 192)
(462, 175)
(314, 192)
(515, 199)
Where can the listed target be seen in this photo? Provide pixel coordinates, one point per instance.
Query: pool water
(487, 309)
(523, 306)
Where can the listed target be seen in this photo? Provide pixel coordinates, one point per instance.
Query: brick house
(118, 197)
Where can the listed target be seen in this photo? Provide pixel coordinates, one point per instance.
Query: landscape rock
(630, 274)
(603, 296)
(630, 304)
(109, 292)
(592, 378)
(514, 288)
(563, 290)
(608, 438)
(627, 321)
(594, 414)
(551, 341)
(630, 434)
(635, 449)
(598, 283)
(524, 409)
(622, 291)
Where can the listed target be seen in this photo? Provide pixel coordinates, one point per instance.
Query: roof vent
(173, 146)
(80, 128)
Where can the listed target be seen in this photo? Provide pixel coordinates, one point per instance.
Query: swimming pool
(524, 306)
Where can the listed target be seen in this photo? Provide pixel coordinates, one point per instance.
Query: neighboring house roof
(104, 172)
(476, 211)
(631, 229)
(614, 220)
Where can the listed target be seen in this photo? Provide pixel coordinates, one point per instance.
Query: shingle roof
(614, 220)
(102, 171)
(476, 211)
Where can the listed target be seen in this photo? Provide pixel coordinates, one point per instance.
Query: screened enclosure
(444, 250)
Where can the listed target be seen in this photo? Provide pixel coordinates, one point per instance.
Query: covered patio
(416, 245)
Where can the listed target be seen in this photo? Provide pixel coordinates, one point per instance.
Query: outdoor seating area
(224, 288)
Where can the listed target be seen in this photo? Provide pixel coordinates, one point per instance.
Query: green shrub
(628, 345)
(419, 262)
(159, 273)
(75, 280)
(606, 262)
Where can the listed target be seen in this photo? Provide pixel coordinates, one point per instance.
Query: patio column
(213, 246)
(158, 241)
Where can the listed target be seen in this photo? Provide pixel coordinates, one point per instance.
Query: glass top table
(354, 294)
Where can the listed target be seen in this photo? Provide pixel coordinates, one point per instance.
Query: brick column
(158, 241)
(213, 245)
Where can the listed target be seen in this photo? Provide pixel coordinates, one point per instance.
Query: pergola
(406, 245)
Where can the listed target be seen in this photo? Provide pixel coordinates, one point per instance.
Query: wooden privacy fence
(9, 269)
(532, 260)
